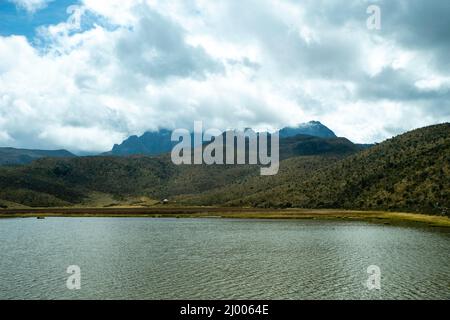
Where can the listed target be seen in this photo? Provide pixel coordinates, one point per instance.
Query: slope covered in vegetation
(410, 172)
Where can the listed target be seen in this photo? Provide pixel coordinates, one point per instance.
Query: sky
(85, 74)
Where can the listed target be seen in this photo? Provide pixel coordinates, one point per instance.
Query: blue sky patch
(16, 21)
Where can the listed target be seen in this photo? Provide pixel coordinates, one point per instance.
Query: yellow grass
(234, 213)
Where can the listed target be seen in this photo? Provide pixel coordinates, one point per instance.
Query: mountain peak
(158, 142)
(311, 128)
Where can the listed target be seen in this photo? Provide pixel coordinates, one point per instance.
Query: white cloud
(88, 139)
(152, 64)
(31, 5)
(433, 84)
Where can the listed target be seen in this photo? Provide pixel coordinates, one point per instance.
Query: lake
(144, 258)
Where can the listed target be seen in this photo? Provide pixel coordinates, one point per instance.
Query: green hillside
(66, 182)
(410, 173)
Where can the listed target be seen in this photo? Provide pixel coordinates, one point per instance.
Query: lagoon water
(140, 258)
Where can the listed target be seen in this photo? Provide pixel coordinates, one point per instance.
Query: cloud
(31, 6)
(117, 68)
(155, 48)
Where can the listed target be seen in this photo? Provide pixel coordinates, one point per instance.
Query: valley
(408, 173)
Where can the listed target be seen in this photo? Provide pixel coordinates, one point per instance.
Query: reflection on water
(220, 259)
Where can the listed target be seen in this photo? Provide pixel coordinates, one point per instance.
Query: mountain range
(159, 142)
(312, 128)
(409, 172)
(12, 156)
(151, 143)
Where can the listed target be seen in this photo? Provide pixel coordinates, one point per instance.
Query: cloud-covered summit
(117, 68)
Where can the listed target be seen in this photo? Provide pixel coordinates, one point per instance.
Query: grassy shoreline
(393, 218)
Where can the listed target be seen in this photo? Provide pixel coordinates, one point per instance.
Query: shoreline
(380, 217)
